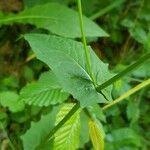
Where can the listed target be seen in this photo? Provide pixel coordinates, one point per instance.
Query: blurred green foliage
(126, 125)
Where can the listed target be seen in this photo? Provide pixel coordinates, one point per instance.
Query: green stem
(62, 122)
(124, 72)
(128, 93)
(87, 52)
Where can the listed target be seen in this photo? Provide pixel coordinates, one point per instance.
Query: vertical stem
(87, 52)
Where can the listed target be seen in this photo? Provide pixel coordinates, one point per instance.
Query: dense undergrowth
(47, 70)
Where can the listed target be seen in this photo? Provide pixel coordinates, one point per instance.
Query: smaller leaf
(96, 134)
(139, 34)
(97, 112)
(128, 23)
(10, 100)
(133, 111)
(67, 137)
(44, 92)
(143, 71)
(126, 136)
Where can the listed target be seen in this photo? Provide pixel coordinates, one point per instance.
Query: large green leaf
(44, 92)
(66, 58)
(38, 131)
(11, 101)
(67, 137)
(57, 19)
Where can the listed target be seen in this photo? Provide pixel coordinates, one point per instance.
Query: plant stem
(87, 52)
(67, 117)
(124, 72)
(128, 93)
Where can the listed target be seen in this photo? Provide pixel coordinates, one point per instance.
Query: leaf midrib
(26, 17)
(77, 63)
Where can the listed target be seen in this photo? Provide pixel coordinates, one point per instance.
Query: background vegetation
(25, 121)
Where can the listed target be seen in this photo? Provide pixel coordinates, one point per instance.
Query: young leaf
(67, 137)
(66, 58)
(57, 19)
(11, 100)
(44, 92)
(96, 135)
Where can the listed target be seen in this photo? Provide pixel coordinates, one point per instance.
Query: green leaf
(97, 112)
(96, 134)
(38, 131)
(126, 136)
(67, 60)
(44, 92)
(128, 23)
(121, 86)
(133, 111)
(143, 71)
(67, 137)
(11, 100)
(57, 19)
(84, 134)
(139, 34)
